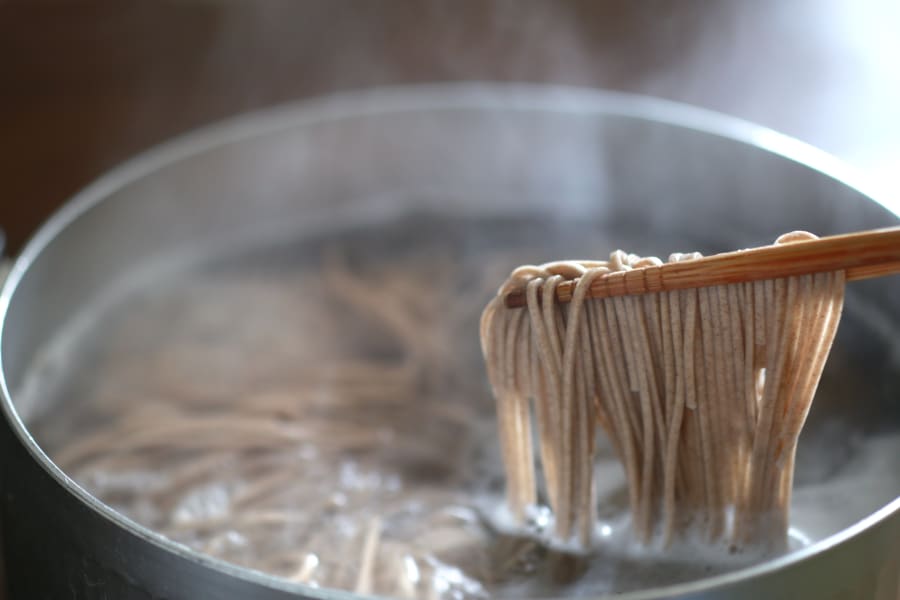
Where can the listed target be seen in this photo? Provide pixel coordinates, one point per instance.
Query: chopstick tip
(515, 300)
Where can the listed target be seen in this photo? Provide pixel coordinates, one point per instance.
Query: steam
(819, 71)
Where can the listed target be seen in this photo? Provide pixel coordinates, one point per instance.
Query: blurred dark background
(84, 85)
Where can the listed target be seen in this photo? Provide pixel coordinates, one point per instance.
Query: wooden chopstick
(861, 255)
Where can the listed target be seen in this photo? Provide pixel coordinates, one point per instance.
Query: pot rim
(419, 98)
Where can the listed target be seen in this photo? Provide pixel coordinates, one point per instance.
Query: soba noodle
(343, 468)
(702, 392)
(326, 421)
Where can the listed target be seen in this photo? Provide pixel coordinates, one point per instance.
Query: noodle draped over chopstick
(702, 392)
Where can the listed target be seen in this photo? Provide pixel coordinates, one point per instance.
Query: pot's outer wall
(303, 166)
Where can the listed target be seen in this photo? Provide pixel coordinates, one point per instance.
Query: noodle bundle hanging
(702, 392)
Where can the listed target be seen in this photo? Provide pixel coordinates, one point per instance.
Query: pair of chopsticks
(861, 255)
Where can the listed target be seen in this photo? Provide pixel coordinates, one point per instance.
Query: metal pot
(570, 155)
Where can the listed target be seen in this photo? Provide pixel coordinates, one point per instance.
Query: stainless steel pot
(569, 155)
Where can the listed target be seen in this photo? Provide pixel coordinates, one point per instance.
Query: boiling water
(319, 411)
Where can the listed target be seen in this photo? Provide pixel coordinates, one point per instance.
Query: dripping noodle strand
(702, 393)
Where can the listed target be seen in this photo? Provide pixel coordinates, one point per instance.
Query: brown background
(84, 85)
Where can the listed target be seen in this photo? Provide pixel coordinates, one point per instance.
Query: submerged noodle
(329, 426)
(314, 427)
